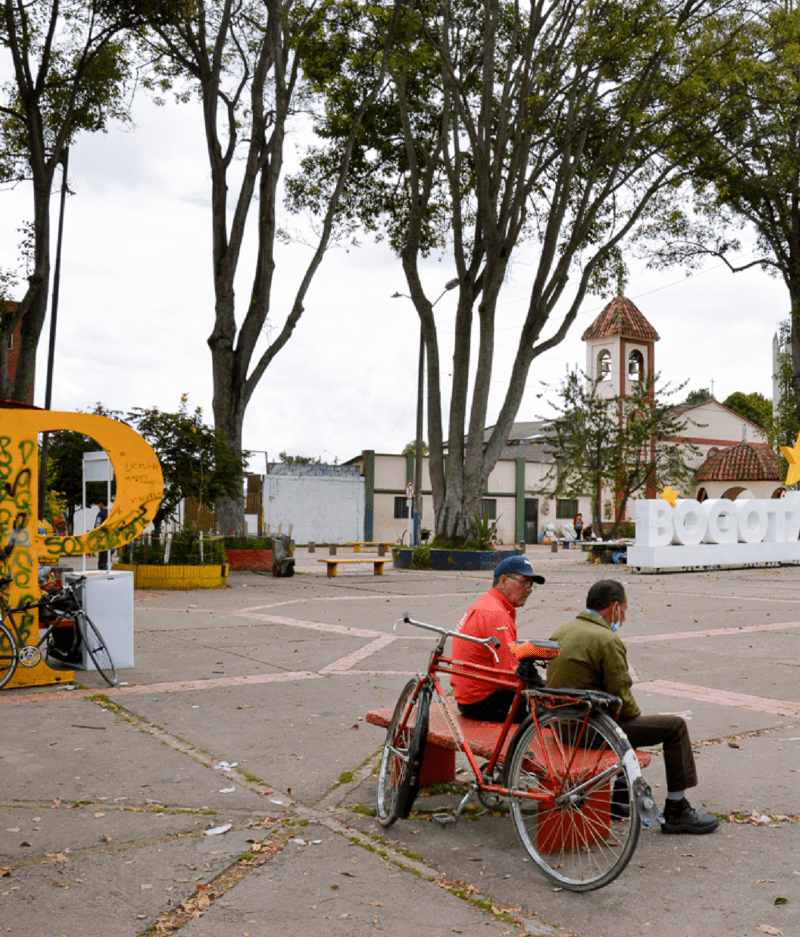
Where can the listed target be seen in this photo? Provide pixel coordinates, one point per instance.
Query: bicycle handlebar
(492, 643)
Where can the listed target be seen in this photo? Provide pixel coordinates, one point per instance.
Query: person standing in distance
(493, 615)
(594, 658)
(102, 514)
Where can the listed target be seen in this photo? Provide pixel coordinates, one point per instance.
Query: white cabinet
(107, 598)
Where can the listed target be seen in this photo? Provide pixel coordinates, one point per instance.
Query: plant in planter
(191, 560)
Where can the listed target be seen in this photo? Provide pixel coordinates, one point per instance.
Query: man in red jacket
(494, 615)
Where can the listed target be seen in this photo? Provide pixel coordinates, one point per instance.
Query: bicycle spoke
(569, 822)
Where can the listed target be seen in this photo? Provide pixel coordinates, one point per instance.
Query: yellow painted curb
(176, 577)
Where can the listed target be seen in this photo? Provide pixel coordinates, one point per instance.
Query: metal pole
(48, 391)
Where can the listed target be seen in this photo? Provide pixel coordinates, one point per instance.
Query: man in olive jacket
(594, 658)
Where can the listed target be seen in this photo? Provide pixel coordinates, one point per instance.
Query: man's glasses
(525, 583)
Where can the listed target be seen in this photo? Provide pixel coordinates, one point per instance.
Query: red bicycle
(568, 773)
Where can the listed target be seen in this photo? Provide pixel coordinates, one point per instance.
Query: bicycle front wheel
(572, 805)
(401, 760)
(9, 655)
(96, 648)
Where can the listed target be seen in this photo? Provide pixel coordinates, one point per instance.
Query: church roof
(621, 317)
(744, 462)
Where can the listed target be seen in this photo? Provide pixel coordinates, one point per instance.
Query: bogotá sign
(716, 532)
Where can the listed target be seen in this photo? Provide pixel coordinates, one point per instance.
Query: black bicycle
(55, 608)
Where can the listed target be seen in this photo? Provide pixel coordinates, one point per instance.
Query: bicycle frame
(499, 679)
(10, 621)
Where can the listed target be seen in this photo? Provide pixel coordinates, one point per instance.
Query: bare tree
(558, 123)
(70, 69)
(246, 59)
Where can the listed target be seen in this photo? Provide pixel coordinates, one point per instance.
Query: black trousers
(673, 734)
(495, 707)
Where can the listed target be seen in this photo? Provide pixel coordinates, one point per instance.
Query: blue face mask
(615, 626)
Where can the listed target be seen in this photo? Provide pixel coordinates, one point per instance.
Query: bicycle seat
(539, 650)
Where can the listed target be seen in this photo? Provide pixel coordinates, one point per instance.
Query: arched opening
(604, 365)
(635, 366)
(712, 451)
(702, 495)
(733, 493)
(778, 493)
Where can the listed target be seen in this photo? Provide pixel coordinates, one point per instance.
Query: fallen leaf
(762, 881)
(766, 929)
(97, 816)
(143, 887)
(733, 745)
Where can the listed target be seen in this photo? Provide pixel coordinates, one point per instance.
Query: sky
(136, 307)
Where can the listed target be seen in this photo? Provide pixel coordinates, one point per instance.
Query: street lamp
(417, 505)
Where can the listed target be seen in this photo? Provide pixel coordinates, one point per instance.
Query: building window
(635, 366)
(400, 507)
(604, 365)
(489, 506)
(11, 342)
(567, 509)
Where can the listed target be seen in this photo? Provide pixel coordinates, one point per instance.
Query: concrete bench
(439, 760)
(333, 565)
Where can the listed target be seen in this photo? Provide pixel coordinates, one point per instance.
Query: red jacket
(491, 615)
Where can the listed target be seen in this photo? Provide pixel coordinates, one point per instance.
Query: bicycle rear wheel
(96, 648)
(9, 655)
(579, 821)
(401, 760)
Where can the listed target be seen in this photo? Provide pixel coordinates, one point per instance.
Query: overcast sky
(137, 306)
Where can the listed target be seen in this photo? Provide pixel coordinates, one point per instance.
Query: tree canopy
(71, 68)
(246, 62)
(620, 445)
(747, 174)
(558, 125)
(754, 407)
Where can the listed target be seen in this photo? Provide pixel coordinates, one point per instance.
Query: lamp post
(51, 351)
(417, 505)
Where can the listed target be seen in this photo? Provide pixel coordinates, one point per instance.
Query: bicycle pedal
(444, 819)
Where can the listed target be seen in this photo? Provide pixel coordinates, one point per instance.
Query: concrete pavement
(111, 797)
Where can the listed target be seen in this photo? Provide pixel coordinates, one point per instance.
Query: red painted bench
(439, 760)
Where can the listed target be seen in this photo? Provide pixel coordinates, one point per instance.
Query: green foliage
(754, 407)
(195, 461)
(187, 549)
(482, 528)
(786, 423)
(503, 127)
(298, 459)
(618, 443)
(696, 397)
(65, 468)
(411, 448)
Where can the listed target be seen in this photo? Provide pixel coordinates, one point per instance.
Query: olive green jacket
(592, 658)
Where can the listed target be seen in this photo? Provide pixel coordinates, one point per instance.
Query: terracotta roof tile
(744, 462)
(621, 317)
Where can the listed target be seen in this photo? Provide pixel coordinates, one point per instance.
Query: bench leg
(356, 548)
(438, 765)
(332, 570)
(378, 567)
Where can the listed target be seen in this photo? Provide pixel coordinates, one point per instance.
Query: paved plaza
(228, 790)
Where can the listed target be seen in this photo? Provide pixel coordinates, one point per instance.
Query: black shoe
(681, 817)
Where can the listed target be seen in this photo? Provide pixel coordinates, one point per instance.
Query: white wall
(325, 509)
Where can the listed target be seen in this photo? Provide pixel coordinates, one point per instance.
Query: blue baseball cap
(520, 565)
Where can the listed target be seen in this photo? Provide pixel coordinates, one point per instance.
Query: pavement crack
(261, 852)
